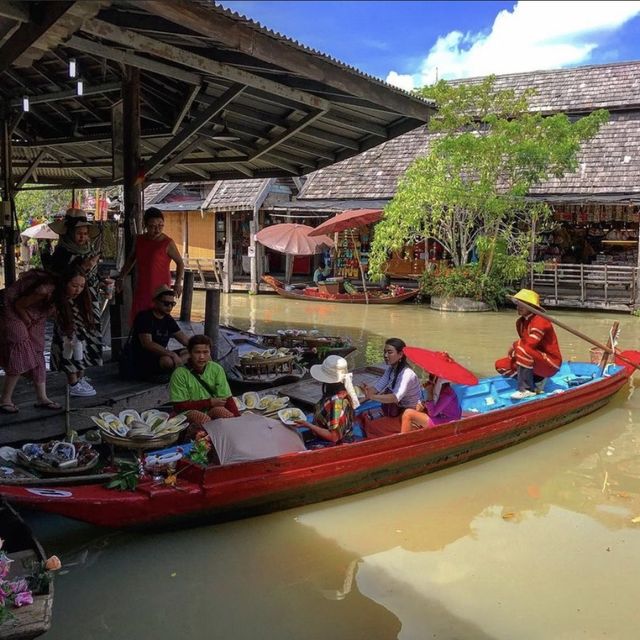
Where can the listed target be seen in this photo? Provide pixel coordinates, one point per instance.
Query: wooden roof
(221, 96)
(608, 164)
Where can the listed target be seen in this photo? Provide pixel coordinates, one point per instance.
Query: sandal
(50, 405)
(8, 407)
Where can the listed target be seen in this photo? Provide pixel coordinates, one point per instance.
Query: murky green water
(534, 542)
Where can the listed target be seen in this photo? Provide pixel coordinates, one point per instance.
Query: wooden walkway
(113, 394)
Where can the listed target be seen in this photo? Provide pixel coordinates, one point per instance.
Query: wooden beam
(180, 56)
(185, 109)
(14, 12)
(193, 127)
(43, 17)
(175, 160)
(247, 39)
(30, 171)
(132, 60)
(67, 94)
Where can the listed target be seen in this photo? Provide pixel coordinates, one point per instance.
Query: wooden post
(228, 252)
(288, 268)
(187, 296)
(132, 187)
(212, 317)
(7, 208)
(253, 229)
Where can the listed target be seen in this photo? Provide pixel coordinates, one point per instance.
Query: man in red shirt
(536, 354)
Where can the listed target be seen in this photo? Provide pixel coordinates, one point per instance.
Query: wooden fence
(593, 286)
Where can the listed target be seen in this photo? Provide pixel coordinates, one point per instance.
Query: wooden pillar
(253, 229)
(637, 282)
(212, 318)
(131, 152)
(288, 268)
(228, 253)
(7, 207)
(185, 234)
(187, 296)
(132, 196)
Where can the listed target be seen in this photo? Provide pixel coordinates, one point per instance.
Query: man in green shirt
(200, 387)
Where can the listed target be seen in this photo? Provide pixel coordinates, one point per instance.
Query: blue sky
(408, 43)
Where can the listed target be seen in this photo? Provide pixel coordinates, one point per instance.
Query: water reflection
(536, 541)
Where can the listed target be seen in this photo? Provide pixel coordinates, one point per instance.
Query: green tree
(487, 152)
(41, 204)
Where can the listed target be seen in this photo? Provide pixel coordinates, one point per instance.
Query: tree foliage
(469, 192)
(41, 205)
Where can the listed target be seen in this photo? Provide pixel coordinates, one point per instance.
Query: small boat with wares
(311, 345)
(491, 421)
(323, 293)
(29, 621)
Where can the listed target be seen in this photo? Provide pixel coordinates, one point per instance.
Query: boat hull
(250, 488)
(343, 298)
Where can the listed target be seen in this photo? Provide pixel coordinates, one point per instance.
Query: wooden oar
(575, 332)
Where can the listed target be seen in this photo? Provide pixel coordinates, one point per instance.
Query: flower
(23, 598)
(53, 563)
(18, 585)
(4, 565)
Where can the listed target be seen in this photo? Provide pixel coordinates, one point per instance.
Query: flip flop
(51, 405)
(8, 407)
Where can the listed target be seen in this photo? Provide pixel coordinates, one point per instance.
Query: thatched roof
(607, 164)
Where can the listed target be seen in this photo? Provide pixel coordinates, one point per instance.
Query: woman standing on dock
(75, 249)
(27, 304)
(152, 254)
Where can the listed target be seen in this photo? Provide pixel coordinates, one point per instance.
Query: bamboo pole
(575, 332)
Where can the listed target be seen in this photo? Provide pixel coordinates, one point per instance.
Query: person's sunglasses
(167, 303)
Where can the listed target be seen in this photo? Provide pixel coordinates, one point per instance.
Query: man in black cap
(152, 330)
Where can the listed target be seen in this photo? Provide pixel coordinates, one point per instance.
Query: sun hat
(163, 289)
(73, 219)
(528, 296)
(335, 369)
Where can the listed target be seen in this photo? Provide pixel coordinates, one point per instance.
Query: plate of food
(291, 415)
(279, 403)
(250, 399)
(265, 402)
(239, 403)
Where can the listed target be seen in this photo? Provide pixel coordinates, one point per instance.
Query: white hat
(331, 371)
(74, 218)
(335, 369)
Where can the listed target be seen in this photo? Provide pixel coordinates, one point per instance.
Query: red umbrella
(293, 239)
(348, 220)
(440, 364)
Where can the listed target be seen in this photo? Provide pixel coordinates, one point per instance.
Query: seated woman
(397, 390)
(441, 405)
(200, 388)
(333, 416)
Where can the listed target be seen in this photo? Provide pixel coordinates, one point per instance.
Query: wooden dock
(113, 394)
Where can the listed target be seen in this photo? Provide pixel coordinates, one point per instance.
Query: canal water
(534, 542)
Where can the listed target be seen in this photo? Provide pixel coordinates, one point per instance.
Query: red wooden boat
(314, 293)
(492, 421)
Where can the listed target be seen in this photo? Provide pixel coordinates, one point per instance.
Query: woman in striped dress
(76, 249)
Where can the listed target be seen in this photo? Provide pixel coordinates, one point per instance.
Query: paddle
(575, 332)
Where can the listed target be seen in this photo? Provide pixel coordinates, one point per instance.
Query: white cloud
(533, 35)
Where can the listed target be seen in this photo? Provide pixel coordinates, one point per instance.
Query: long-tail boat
(491, 421)
(374, 296)
(23, 548)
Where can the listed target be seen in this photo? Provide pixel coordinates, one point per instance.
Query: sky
(411, 44)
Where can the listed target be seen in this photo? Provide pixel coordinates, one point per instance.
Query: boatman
(536, 354)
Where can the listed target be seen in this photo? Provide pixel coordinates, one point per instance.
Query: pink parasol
(348, 220)
(40, 231)
(293, 239)
(440, 364)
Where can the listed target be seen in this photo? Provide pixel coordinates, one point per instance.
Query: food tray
(130, 443)
(283, 364)
(47, 469)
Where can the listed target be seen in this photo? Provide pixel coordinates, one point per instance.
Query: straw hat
(334, 369)
(73, 219)
(528, 296)
(162, 290)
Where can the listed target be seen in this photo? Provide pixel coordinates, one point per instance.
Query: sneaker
(521, 395)
(82, 389)
(540, 387)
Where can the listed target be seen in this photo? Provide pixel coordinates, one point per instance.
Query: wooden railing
(605, 285)
(212, 268)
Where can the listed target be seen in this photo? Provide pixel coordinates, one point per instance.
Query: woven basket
(261, 366)
(47, 469)
(129, 443)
